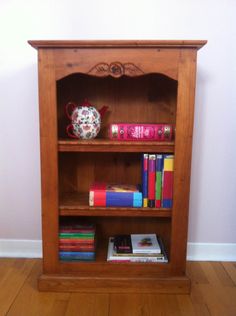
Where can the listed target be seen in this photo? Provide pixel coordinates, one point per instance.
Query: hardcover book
(143, 132)
(145, 243)
(145, 179)
(159, 169)
(168, 177)
(121, 195)
(151, 179)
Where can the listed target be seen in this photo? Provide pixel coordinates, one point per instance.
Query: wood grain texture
(211, 295)
(182, 164)
(141, 82)
(117, 43)
(14, 272)
(88, 305)
(30, 302)
(101, 145)
(49, 153)
(179, 285)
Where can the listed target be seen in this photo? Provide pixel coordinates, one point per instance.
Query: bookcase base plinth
(73, 283)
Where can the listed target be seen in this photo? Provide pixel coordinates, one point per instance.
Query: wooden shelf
(106, 145)
(75, 204)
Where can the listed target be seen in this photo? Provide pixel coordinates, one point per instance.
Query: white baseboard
(18, 248)
(211, 251)
(15, 248)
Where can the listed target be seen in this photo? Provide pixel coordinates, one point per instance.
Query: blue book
(145, 179)
(75, 255)
(128, 199)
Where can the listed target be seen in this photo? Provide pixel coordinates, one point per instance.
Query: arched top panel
(116, 62)
(103, 72)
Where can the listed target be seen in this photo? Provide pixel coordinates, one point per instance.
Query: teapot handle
(69, 128)
(69, 108)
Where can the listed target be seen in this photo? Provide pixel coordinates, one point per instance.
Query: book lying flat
(145, 243)
(76, 255)
(121, 195)
(141, 132)
(113, 256)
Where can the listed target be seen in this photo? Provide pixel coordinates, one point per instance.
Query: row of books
(157, 180)
(77, 242)
(156, 189)
(136, 248)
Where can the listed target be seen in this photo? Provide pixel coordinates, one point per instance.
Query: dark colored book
(77, 228)
(122, 244)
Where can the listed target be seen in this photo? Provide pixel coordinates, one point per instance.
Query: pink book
(145, 132)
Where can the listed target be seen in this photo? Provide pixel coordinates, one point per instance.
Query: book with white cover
(145, 243)
(113, 256)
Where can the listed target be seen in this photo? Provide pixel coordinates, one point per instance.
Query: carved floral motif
(115, 69)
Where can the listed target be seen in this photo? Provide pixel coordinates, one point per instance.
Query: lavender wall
(212, 204)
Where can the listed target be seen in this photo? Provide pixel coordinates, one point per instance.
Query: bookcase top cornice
(194, 44)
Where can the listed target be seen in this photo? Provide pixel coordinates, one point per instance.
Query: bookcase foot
(71, 283)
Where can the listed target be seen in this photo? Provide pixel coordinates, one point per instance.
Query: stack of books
(116, 195)
(157, 180)
(77, 242)
(136, 248)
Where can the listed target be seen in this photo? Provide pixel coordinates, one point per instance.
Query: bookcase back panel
(78, 171)
(144, 99)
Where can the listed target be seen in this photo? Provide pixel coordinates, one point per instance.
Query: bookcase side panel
(183, 151)
(49, 165)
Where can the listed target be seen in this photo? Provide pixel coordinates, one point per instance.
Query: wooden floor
(213, 293)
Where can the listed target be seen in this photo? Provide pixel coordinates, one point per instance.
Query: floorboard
(213, 293)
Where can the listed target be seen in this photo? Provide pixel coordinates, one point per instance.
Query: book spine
(97, 195)
(151, 179)
(159, 169)
(168, 177)
(126, 132)
(128, 199)
(145, 179)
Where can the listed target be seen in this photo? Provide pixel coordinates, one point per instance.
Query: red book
(168, 179)
(151, 179)
(141, 132)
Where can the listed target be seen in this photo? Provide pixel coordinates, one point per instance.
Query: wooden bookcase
(140, 81)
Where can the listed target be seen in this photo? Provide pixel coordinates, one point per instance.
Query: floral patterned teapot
(85, 120)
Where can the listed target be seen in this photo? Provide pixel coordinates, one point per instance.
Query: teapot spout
(103, 110)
